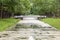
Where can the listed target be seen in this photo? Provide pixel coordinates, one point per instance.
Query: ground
(55, 22)
(6, 23)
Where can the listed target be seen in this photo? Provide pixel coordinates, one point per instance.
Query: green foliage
(31, 6)
(23, 6)
(42, 6)
(15, 6)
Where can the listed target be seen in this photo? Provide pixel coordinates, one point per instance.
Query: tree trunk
(1, 10)
(58, 13)
(1, 14)
(12, 15)
(53, 15)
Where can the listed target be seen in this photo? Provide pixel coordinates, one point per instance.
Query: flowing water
(31, 29)
(31, 38)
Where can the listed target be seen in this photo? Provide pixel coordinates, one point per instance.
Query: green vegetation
(45, 7)
(14, 7)
(55, 22)
(5, 23)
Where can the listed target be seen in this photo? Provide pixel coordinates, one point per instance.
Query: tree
(23, 6)
(14, 6)
(7, 5)
(44, 6)
(58, 8)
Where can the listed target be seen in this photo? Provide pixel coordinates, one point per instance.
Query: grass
(55, 22)
(5, 23)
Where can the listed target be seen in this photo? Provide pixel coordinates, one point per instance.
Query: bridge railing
(30, 16)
